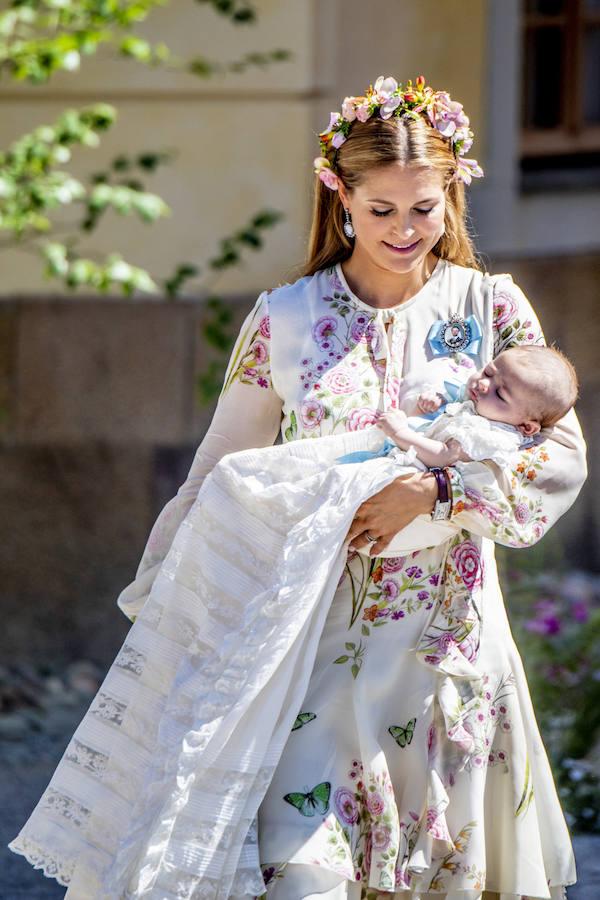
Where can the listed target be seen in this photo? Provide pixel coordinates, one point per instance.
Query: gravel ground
(33, 736)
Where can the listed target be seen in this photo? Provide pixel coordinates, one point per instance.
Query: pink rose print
(311, 413)
(468, 563)
(436, 826)
(374, 338)
(340, 381)
(446, 642)
(381, 837)
(375, 803)
(336, 284)
(505, 309)
(260, 352)
(323, 329)
(265, 327)
(358, 329)
(360, 418)
(522, 513)
(389, 589)
(393, 391)
(393, 563)
(346, 805)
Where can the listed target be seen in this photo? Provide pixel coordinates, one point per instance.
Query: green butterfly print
(403, 736)
(313, 802)
(303, 719)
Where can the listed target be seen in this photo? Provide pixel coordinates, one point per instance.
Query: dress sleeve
(515, 504)
(247, 415)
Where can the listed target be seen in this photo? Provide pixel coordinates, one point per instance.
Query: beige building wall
(243, 142)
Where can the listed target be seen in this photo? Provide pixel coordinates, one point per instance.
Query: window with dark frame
(560, 137)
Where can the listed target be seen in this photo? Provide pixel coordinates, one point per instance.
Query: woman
(414, 762)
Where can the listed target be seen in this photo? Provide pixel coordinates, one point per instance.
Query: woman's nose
(483, 386)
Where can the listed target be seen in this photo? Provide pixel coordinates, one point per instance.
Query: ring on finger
(371, 540)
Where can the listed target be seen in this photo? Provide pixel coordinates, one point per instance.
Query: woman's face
(398, 215)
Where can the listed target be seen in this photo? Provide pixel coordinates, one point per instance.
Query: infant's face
(499, 392)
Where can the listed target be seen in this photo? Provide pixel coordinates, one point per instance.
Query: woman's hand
(391, 509)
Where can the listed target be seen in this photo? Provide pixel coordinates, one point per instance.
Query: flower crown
(392, 99)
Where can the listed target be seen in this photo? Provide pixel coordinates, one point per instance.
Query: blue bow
(472, 332)
(362, 455)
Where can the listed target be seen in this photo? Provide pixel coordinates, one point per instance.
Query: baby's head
(531, 387)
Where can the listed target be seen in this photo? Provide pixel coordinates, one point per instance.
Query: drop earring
(348, 226)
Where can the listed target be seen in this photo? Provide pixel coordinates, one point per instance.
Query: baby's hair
(552, 380)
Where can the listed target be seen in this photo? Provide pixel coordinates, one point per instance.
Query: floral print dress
(415, 764)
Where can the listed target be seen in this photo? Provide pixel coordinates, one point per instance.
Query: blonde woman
(385, 744)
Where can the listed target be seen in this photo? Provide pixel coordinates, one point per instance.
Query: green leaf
(365, 630)
(350, 646)
(341, 659)
(355, 669)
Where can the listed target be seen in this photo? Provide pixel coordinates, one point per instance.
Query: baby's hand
(429, 401)
(392, 421)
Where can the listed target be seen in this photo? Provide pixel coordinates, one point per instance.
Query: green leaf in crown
(312, 802)
(303, 719)
(403, 736)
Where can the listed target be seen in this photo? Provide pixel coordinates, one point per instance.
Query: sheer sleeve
(517, 503)
(248, 414)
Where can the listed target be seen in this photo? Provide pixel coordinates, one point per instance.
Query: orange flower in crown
(388, 99)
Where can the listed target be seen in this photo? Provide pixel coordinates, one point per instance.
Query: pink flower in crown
(265, 327)
(340, 381)
(447, 115)
(338, 139)
(468, 563)
(348, 109)
(311, 413)
(505, 309)
(260, 352)
(363, 113)
(467, 169)
(393, 563)
(360, 418)
(384, 88)
(464, 136)
(375, 803)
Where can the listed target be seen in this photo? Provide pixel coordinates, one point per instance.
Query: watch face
(441, 510)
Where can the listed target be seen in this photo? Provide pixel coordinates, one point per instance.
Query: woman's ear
(343, 195)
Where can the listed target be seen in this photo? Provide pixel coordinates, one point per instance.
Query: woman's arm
(248, 414)
(517, 504)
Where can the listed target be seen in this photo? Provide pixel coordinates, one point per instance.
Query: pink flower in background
(361, 418)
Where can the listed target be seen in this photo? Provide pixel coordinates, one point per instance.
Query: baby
(523, 390)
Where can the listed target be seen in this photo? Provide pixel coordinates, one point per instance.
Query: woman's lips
(403, 250)
(472, 394)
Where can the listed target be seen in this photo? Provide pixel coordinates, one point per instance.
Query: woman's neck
(381, 288)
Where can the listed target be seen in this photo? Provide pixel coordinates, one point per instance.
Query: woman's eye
(424, 211)
(380, 212)
(499, 395)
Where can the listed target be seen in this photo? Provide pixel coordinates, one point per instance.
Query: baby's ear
(528, 428)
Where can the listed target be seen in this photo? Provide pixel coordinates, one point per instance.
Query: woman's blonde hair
(381, 142)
